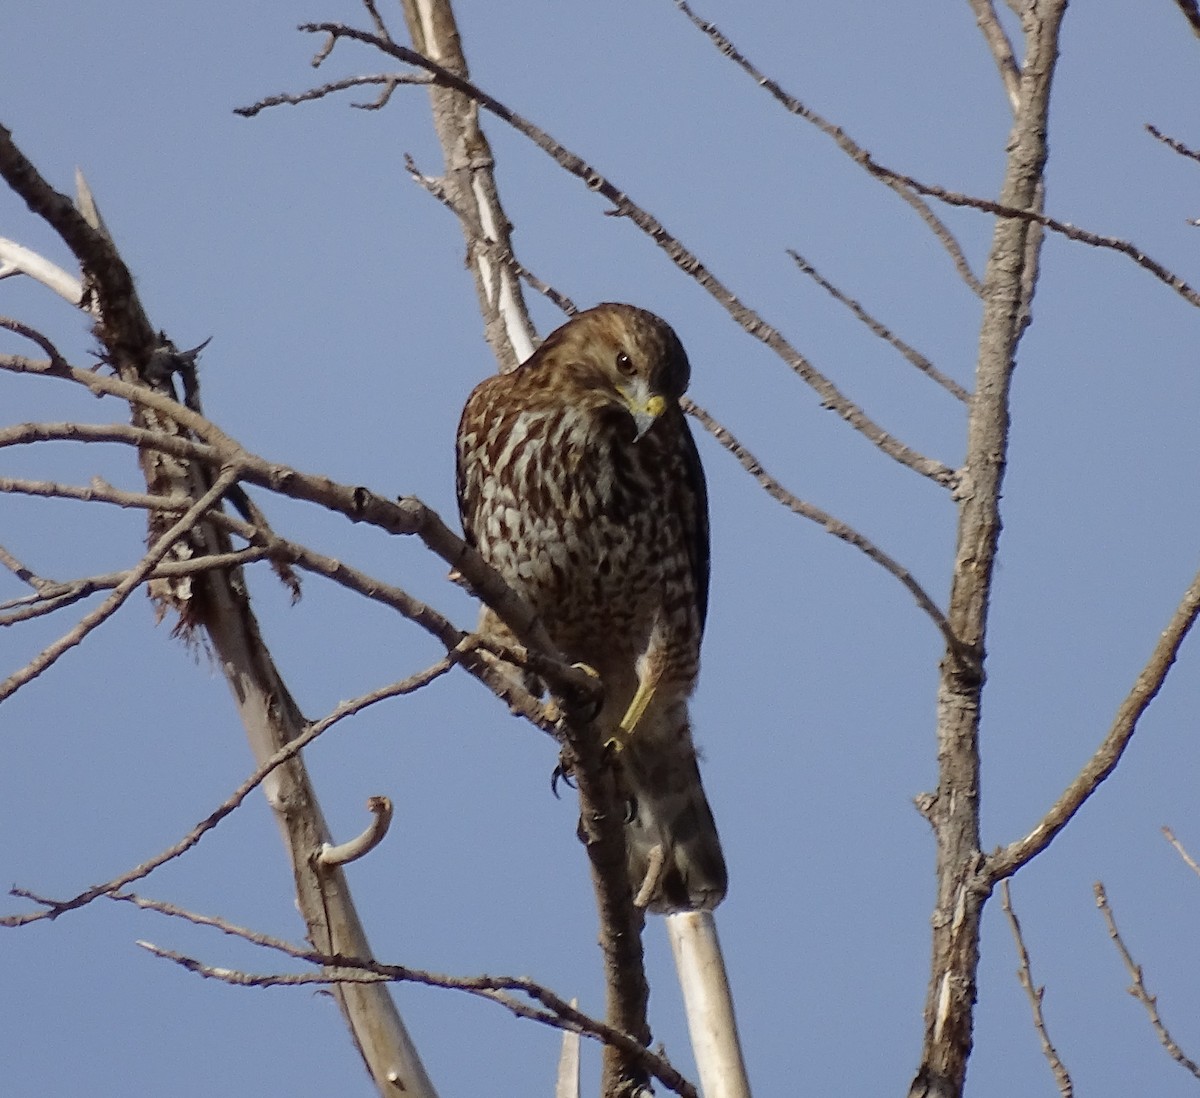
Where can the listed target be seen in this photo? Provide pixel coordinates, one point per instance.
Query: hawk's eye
(625, 364)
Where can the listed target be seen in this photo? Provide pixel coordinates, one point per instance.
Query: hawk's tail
(675, 859)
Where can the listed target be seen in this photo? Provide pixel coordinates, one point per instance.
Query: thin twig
(842, 139)
(59, 595)
(493, 988)
(882, 331)
(25, 575)
(1035, 995)
(1173, 143)
(19, 328)
(54, 908)
(437, 188)
(390, 82)
(1071, 232)
(557, 1013)
(1006, 861)
(1189, 861)
(121, 592)
(1138, 988)
(825, 520)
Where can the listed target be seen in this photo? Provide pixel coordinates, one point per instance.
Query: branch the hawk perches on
(579, 482)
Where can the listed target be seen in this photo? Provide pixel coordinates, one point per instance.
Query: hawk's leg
(637, 707)
(647, 687)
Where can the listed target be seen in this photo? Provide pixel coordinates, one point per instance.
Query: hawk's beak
(643, 405)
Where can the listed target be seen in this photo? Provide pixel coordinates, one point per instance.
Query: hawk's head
(621, 355)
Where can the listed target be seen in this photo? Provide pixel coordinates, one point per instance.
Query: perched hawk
(579, 482)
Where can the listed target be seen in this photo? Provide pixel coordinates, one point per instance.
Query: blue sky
(345, 338)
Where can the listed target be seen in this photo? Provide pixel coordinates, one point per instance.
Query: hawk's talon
(561, 774)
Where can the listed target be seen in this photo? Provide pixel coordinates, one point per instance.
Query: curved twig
(361, 845)
(1006, 861)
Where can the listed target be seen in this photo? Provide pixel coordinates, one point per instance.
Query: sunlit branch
(1006, 861)
(1001, 47)
(1188, 860)
(553, 1011)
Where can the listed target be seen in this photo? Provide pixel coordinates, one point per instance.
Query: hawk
(579, 482)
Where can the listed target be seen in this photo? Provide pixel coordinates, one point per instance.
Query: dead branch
(361, 845)
(122, 591)
(840, 138)
(1138, 988)
(1004, 862)
(52, 909)
(557, 1012)
(911, 354)
(826, 521)
(623, 206)
(1033, 215)
(1035, 995)
(1001, 49)
(471, 185)
(1191, 12)
(1173, 143)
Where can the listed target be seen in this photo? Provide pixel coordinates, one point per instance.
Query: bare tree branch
(1172, 143)
(953, 811)
(1138, 988)
(828, 522)
(557, 1012)
(1191, 12)
(1063, 228)
(1004, 862)
(389, 81)
(1035, 995)
(121, 592)
(886, 334)
(361, 845)
(16, 259)
(1001, 47)
(843, 141)
(624, 206)
(52, 909)
(471, 185)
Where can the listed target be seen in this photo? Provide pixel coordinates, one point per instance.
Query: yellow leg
(637, 707)
(633, 715)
